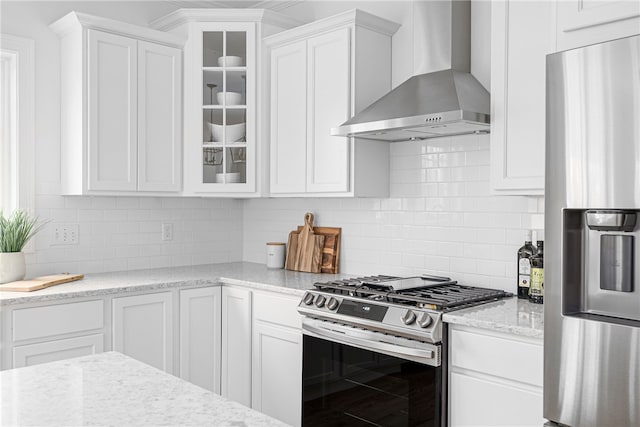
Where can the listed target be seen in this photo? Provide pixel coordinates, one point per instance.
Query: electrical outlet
(167, 231)
(65, 234)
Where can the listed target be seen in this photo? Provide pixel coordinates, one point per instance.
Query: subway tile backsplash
(124, 233)
(441, 218)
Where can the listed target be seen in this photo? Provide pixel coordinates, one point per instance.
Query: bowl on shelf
(230, 61)
(235, 133)
(232, 98)
(228, 178)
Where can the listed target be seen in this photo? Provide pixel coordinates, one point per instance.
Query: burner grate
(443, 297)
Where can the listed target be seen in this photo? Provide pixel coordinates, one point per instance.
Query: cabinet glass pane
(212, 84)
(213, 122)
(212, 47)
(236, 165)
(212, 164)
(237, 46)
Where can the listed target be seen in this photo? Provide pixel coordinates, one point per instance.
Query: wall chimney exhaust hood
(442, 98)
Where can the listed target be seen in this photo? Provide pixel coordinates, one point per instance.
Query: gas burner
(430, 292)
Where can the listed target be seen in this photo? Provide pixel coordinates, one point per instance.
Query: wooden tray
(331, 248)
(40, 282)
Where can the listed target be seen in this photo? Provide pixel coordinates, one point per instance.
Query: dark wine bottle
(536, 290)
(525, 253)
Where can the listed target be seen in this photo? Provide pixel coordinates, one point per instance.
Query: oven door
(350, 378)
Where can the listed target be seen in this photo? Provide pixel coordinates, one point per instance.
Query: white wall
(115, 233)
(441, 218)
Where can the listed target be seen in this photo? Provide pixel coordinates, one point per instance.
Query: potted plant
(15, 232)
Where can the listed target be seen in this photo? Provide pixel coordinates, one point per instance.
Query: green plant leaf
(16, 230)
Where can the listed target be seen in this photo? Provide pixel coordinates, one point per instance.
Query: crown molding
(185, 16)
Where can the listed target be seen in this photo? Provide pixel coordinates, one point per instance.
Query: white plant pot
(12, 266)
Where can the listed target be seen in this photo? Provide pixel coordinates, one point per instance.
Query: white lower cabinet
(241, 343)
(200, 334)
(277, 357)
(236, 344)
(143, 328)
(495, 379)
(51, 351)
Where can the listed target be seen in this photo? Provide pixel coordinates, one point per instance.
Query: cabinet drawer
(41, 322)
(280, 309)
(501, 357)
(33, 354)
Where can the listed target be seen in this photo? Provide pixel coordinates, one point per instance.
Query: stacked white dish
(228, 178)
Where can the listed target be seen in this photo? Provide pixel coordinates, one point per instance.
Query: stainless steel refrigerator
(592, 248)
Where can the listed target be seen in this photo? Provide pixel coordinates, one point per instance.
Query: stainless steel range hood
(442, 98)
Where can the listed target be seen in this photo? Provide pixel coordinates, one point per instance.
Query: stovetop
(436, 293)
(407, 307)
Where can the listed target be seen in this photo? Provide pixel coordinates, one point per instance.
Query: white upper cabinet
(121, 107)
(222, 144)
(522, 34)
(581, 23)
(315, 71)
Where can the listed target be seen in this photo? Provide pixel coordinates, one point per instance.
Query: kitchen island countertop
(512, 315)
(250, 274)
(113, 389)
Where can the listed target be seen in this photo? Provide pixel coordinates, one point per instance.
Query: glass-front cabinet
(222, 147)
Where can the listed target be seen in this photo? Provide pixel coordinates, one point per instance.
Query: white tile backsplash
(441, 218)
(124, 233)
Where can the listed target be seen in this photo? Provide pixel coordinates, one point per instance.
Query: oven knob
(409, 317)
(332, 304)
(308, 298)
(425, 320)
(320, 301)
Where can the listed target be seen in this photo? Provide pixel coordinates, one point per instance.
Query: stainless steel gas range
(374, 349)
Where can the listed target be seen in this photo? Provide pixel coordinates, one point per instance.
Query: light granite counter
(249, 274)
(113, 389)
(511, 316)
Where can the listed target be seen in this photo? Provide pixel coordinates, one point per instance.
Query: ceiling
(275, 5)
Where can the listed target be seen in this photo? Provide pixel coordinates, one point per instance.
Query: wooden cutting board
(40, 282)
(309, 249)
(331, 248)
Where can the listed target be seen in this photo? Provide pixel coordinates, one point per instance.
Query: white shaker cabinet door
(159, 117)
(200, 330)
(289, 118)
(478, 401)
(522, 35)
(113, 109)
(236, 345)
(328, 106)
(143, 328)
(277, 372)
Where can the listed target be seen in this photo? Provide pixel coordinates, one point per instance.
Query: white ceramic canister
(275, 254)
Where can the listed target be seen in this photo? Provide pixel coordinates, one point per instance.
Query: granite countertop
(249, 274)
(113, 389)
(512, 315)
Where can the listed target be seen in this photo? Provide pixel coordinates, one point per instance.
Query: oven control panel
(376, 315)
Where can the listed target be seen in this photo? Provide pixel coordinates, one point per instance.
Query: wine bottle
(536, 290)
(525, 253)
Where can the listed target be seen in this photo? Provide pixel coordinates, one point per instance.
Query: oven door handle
(368, 344)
